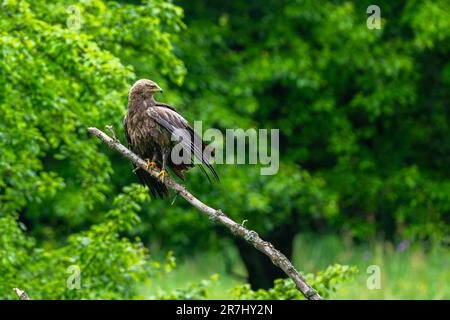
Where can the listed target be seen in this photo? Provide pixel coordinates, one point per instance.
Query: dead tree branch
(21, 294)
(237, 229)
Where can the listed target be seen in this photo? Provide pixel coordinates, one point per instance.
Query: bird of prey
(149, 128)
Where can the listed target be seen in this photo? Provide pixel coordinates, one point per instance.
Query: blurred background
(364, 175)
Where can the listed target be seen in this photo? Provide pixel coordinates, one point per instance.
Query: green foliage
(109, 264)
(408, 270)
(55, 82)
(140, 34)
(192, 291)
(325, 282)
(363, 116)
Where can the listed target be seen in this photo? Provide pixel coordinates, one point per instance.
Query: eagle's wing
(167, 117)
(156, 187)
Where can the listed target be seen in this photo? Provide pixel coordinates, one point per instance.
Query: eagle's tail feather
(157, 188)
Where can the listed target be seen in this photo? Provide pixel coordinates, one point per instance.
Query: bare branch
(21, 294)
(237, 229)
(111, 129)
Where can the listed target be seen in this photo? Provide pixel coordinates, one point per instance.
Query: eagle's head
(145, 88)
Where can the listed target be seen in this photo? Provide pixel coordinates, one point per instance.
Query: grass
(406, 273)
(410, 272)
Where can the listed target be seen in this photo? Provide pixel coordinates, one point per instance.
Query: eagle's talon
(151, 165)
(162, 174)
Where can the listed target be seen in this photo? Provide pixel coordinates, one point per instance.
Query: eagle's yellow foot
(151, 165)
(162, 174)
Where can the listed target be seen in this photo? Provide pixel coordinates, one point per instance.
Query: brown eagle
(152, 130)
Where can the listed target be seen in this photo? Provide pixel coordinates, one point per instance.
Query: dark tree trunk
(261, 271)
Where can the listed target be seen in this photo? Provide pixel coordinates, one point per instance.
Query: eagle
(153, 129)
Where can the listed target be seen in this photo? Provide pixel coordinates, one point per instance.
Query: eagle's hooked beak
(157, 89)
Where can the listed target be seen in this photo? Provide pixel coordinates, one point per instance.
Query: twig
(21, 294)
(237, 229)
(111, 129)
(174, 198)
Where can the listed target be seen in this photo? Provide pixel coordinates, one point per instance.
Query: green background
(364, 147)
